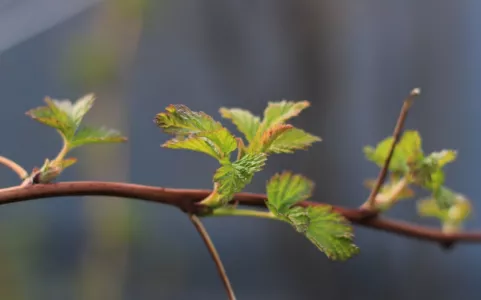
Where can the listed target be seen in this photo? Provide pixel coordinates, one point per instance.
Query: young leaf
(233, 177)
(329, 231)
(451, 217)
(53, 116)
(81, 107)
(218, 144)
(179, 120)
(279, 112)
(245, 121)
(286, 189)
(429, 173)
(270, 135)
(89, 135)
(441, 158)
(407, 152)
(290, 140)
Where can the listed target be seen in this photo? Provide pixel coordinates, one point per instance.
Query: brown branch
(187, 200)
(396, 135)
(213, 252)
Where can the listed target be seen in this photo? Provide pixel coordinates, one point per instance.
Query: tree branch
(19, 170)
(396, 135)
(187, 200)
(215, 256)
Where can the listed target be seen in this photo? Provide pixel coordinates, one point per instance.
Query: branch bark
(187, 200)
(215, 256)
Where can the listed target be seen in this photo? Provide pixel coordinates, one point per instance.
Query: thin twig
(187, 200)
(213, 252)
(21, 172)
(396, 135)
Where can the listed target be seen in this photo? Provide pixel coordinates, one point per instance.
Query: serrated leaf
(81, 107)
(63, 114)
(329, 231)
(270, 135)
(233, 177)
(179, 120)
(45, 116)
(290, 140)
(407, 152)
(286, 189)
(279, 112)
(52, 116)
(218, 144)
(245, 121)
(90, 135)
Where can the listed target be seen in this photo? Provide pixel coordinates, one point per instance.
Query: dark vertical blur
(354, 60)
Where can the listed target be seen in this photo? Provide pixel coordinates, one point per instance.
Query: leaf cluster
(66, 117)
(410, 166)
(197, 131)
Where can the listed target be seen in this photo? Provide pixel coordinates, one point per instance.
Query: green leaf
(428, 207)
(452, 216)
(218, 144)
(289, 140)
(442, 158)
(286, 189)
(245, 121)
(62, 114)
(429, 173)
(179, 120)
(233, 177)
(279, 112)
(81, 108)
(407, 152)
(329, 231)
(90, 135)
(53, 116)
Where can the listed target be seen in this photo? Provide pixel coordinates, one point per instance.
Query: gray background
(354, 60)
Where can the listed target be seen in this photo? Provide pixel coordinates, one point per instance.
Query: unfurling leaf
(232, 177)
(89, 135)
(279, 112)
(290, 140)
(245, 121)
(286, 189)
(179, 120)
(275, 114)
(218, 144)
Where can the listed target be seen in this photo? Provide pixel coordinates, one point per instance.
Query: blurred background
(354, 60)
